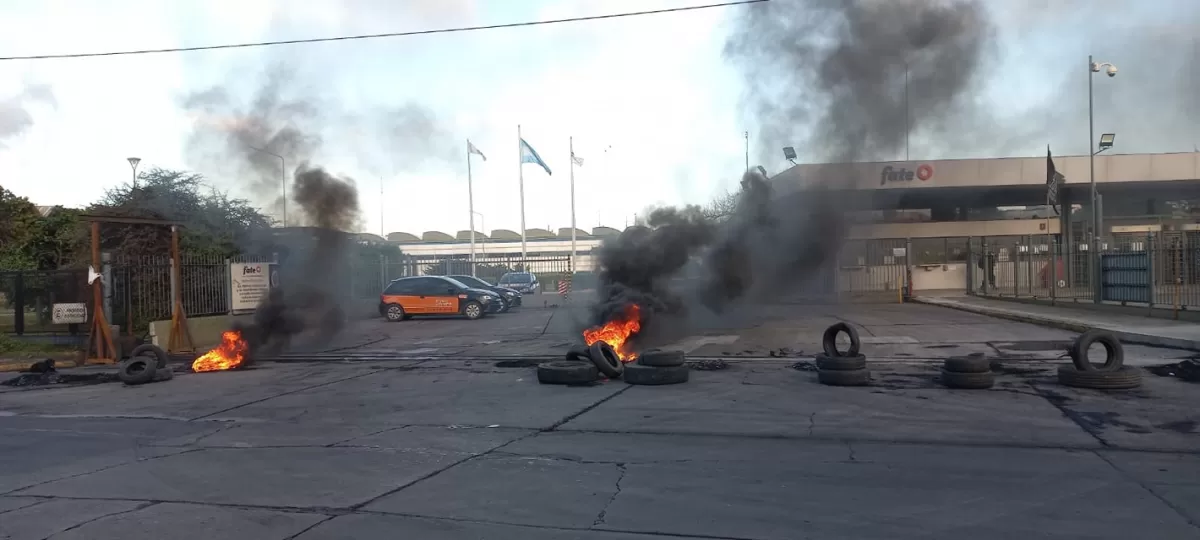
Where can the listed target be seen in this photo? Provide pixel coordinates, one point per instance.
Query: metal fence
(1155, 270)
(27, 297)
(871, 267)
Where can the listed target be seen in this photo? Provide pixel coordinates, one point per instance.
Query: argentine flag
(529, 155)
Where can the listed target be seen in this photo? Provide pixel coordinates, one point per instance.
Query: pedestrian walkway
(1128, 328)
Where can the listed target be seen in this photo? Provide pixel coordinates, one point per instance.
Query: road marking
(426, 350)
(692, 343)
(888, 339)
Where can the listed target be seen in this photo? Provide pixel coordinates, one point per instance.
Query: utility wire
(376, 36)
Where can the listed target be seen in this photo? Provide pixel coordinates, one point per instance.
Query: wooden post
(181, 338)
(100, 348)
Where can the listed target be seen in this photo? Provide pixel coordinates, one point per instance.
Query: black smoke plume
(831, 72)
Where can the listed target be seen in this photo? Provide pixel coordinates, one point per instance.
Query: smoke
(15, 118)
(832, 74)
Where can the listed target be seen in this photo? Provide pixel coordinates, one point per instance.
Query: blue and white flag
(529, 155)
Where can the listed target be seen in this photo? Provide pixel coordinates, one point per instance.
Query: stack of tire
(1113, 374)
(582, 365)
(146, 363)
(841, 368)
(658, 367)
(970, 372)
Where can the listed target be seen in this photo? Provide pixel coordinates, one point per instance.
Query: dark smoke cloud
(328, 202)
(15, 118)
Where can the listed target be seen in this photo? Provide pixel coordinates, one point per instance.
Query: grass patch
(9, 345)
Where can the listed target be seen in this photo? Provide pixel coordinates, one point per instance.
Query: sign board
(68, 313)
(249, 283)
(899, 252)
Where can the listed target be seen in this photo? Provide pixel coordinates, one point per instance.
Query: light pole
(282, 178)
(133, 163)
(1093, 68)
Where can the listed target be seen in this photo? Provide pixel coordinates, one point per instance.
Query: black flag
(1053, 180)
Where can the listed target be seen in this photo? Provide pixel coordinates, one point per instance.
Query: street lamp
(282, 178)
(1093, 68)
(133, 163)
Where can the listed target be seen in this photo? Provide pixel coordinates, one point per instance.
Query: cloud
(15, 116)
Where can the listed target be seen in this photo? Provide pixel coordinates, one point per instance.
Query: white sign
(899, 252)
(68, 314)
(249, 283)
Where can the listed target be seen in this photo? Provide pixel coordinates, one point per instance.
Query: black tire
(655, 376)
(163, 373)
(841, 363)
(137, 370)
(1126, 378)
(968, 380)
(833, 377)
(563, 372)
(606, 360)
(152, 351)
(662, 358)
(394, 313)
(1114, 357)
(578, 353)
(967, 364)
(829, 340)
(472, 310)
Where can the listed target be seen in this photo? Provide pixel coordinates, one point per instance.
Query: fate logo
(889, 174)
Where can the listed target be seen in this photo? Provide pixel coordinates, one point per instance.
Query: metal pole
(521, 180)
(571, 145)
(283, 182)
(747, 134)
(381, 229)
(1092, 175)
(471, 206)
(907, 112)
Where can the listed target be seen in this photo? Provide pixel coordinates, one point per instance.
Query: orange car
(434, 295)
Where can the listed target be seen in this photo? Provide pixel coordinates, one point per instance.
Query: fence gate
(27, 300)
(1125, 277)
(873, 267)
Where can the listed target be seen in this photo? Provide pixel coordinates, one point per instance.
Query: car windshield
(471, 280)
(516, 278)
(456, 282)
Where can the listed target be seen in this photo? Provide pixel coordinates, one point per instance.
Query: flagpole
(521, 180)
(571, 144)
(471, 206)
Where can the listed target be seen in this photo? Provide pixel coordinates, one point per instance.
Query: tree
(31, 241)
(722, 206)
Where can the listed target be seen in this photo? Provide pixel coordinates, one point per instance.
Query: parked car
(435, 295)
(522, 282)
(510, 297)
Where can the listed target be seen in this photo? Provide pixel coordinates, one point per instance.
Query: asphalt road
(412, 430)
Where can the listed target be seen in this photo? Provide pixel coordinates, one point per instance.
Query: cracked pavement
(376, 441)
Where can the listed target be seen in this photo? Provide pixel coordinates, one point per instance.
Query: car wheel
(395, 313)
(473, 310)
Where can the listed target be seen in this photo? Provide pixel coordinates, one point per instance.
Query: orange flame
(616, 332)
(228, 355)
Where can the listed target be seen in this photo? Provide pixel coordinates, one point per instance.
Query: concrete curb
(1065, 324)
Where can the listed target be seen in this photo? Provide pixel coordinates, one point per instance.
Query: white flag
(578, 161)
(472, 150)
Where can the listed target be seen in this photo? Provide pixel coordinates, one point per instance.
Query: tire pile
(1113, 374)
(970, 372)
(585, 365)
(147, 363)
(837, 368)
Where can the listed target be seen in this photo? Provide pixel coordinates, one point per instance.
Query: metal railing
(27, 297)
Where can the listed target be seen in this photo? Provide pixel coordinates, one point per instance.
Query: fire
(617, 332)
(228, 355)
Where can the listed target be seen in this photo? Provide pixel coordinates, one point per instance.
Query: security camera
(1112, 71)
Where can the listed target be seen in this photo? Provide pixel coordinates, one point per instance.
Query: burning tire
(972, 363)
(1125, 378)
(472, 310)
(969, 380)
(606, 360)
(662, 358)
(150, 350)
(655, 376)
(137, 370)
(833, 377)
(394, 313)
(564, 372)
(1114, 353)
(829, 340)
(841, 363)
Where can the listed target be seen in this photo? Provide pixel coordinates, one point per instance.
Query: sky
(654, 108)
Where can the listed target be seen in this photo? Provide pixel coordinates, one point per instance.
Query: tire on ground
(829, 340)
(1114, 352)
(564, 372)
(153, 351)
(606, 359)
(1126, 378)
(655, 376)
(163, 373)
(841, 363)
(662, 358)
(968, 380)
(833, 377)
(967, 364)
(578, 353)
(137, 370)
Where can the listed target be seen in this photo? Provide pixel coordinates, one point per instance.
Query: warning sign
(68, 313)
(249, 283)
